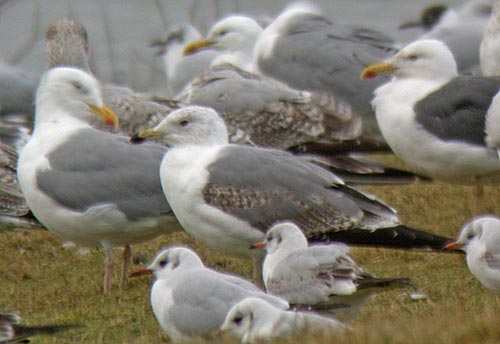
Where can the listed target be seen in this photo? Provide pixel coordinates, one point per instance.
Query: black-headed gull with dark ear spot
(253, 320)
(191, 300)
(480, 239)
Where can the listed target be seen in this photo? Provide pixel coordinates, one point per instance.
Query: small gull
(489, 53)
(480, 239)
(189, 299)
(228, 195)
(309, 52)
(89, 186)
(253, 320)
(320, 274)
(433, 119)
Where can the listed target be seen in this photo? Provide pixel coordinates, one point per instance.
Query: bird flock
(258, 151)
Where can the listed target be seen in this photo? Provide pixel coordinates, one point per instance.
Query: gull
(489, 51)
(433, 119)
(254, 320)
(12, 332)
(89, 186)
(307, 51)
(189, 299)
(320, 274)
(480, 239)
(227, 195)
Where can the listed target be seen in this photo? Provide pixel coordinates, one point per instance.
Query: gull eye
(412, 57)
(279, 239)
(184, 123)
(237, 320)
(77, 85)
(163, 262)
(470, 236)
(222, 33)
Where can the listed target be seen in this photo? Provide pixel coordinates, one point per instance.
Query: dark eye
(412, 57)
(470, 236)
(222, 33)
(77, 85)
(184, 123)
(238, 319)
(163, 263)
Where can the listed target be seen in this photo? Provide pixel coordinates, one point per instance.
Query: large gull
(309, 52)
(489, 52)
(433, 119)
(254, 320)
(318, 274)
(189, 299)
(480, 239)
(228, 195)
(89, 186)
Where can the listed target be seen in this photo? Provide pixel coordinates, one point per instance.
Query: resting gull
(12, 332)
(89, 186)
(433, 119)
(489, 53)
(67, 45)
(316, 275)
(309, 52)
(189, 299)
(254, 320)
(228, 195)
(480, 239)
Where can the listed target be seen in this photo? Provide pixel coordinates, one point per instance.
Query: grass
(51, 284)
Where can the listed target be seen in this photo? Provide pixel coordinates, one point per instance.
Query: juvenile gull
(309, 52)
(480, 239)
(433, 119)
(189, 299)
(254, 320)
(319, 274)
(89, 186)
(228, 195)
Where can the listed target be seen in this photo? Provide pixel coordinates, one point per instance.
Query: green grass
(51, 284)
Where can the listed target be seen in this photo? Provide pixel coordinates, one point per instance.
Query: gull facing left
(89, 186)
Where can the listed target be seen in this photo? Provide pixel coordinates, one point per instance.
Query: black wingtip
(136, 138)
(401, 237)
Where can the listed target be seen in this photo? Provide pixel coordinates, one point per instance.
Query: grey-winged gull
(191, 300)
(489, 52)
(318, 274)
(480, 239)
(309, 52)
(12, 332)
(180, 69)
(433, 119)
(254, 320)
(67, 45)
(228, 195)
(89, 186)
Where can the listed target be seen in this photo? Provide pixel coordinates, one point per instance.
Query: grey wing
(457, 111)
(264, 186)
(99, 168)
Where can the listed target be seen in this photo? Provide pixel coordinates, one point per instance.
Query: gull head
(65, 91)
(475, 231)
(170, 259)
(285, 237)
(249, 316)
(425, 59)
(192, 125)
(231, 34)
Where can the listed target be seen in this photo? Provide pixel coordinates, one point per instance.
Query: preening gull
(67, 45)
(89, 186)
(180, 69)
(433, 119)
(480, 239)
(228, 195)
(12, 332)
(254, 320)
(191, 300)
(309, 52)
(316, 275)
(489, 52)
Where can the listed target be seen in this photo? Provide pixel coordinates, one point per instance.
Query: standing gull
(433, 119)
(480, 239)
(228, 195)
(89, 186)
(254, 320)
(309, 52)
(316, 275)
(189, 299)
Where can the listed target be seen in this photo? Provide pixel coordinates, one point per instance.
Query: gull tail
(401, 237)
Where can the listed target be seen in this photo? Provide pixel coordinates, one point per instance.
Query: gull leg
(478, 198)
(127, 254)
(108, 265)
(257, 272)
